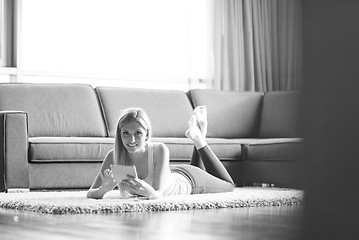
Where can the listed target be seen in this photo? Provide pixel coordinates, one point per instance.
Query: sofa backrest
(280, 115)
(230, 114)
(61, 110)
(168, 110)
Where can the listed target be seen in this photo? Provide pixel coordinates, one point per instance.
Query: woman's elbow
(93, 194)
(156, 195)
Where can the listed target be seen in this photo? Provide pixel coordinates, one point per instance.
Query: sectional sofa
(55, 136)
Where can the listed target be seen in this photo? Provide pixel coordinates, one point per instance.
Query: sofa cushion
(280, 115)
(169, 111)
(273, 149)
(59, 110)
(230, 114)
(77, 149)
(181, 149)
(68, 149)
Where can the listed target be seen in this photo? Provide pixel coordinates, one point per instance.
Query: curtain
(256, 45)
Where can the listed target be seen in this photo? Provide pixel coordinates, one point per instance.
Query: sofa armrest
(14, 168)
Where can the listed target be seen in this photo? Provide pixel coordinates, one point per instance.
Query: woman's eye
(139, 133)
(125, 133)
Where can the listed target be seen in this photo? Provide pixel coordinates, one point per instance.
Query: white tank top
(178, 185)
(151, 166)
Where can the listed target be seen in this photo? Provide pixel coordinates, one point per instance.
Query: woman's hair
(126, 116)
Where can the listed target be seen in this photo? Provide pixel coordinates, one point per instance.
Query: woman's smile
(132, 145)
(134, 137)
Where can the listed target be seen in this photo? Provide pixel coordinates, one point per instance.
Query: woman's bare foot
(201, 113)
(194, 133)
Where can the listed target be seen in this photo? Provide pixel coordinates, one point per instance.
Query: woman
(156, 178)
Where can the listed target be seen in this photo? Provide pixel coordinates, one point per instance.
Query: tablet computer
(122, 172)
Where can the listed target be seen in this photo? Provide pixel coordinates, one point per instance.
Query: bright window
(5, 33)
(154, 43)
(2, 35)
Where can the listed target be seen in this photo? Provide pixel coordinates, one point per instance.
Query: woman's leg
(211, 162)
(196, 160)
(201, 116)
(213, 165)
(202, 181)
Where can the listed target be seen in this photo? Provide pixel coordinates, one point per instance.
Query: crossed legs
(203, 157)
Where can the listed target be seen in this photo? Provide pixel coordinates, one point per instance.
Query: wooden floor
(242, 223)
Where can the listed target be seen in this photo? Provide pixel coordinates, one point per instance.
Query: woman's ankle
(194, 133)
(199, 142)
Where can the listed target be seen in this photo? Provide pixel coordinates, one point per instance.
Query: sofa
(55, 136)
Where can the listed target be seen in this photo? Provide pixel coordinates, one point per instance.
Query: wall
(331, 118)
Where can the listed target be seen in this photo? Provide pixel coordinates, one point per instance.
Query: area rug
(75, 202)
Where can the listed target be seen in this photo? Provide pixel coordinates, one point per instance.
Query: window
(5, 33)
(146, 43)
(2, 25)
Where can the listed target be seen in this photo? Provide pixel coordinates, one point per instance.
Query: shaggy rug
(75, 202)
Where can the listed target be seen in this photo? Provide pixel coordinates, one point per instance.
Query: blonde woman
(156, 178)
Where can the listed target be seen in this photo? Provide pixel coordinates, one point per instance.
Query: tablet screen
(122, 172)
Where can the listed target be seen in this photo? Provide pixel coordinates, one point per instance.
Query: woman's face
(133, 136)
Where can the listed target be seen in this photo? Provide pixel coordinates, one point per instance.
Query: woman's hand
(108, 184)
(142, 188)
(108, 181)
